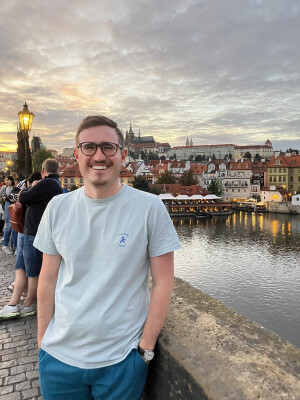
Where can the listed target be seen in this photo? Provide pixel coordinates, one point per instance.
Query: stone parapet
(207, 351)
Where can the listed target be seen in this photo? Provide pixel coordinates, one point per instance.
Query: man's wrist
(147, 354)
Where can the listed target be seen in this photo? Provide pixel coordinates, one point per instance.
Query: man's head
(50, 166)
(98, 120)
(100, 152)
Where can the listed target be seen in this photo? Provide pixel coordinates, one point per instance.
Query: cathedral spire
(187, 142)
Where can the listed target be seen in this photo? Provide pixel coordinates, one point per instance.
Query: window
(280, 170)
(279, 179)
(270, 170)
(72, 180)
(65, 180)
(81, 180)
(291, 178)
(284, 179)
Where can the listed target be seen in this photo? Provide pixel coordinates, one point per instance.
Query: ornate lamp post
(24, 156)
(8, 162)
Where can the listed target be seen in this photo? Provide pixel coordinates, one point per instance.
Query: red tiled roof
(176, 188)
(239, 165)
(203, 145)
(292, 161)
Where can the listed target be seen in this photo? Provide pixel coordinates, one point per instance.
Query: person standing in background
(35, 199)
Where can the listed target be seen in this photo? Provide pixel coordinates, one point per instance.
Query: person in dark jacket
(35, 199)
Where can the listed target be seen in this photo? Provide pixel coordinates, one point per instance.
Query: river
(248, 261)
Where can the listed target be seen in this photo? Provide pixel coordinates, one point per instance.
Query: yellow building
(284, 171)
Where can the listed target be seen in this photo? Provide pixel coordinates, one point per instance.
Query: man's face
(99, 170)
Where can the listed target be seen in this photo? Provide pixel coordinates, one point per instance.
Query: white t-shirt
(101, 298)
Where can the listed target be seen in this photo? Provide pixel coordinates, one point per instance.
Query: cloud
(208, 69)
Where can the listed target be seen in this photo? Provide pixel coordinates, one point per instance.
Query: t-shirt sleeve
(162, 237)
(44, 237)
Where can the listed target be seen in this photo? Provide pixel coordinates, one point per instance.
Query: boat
(200, 214)
(219, 213)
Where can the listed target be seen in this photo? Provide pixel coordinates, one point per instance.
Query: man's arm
(162, 272)
(46, 293)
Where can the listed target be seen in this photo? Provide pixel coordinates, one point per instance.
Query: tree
(191, 157)
(166, 177)
(198, 158)
(248, 155)
(188, 179)
(213, 156)
(141, 183)
(292, 151)
(156, 190)
(153, 156)
(162, 158)
(216, 187)
(257, 157)
(39, 157)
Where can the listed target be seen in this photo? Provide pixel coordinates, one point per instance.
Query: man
(96, 328)
(29, 261)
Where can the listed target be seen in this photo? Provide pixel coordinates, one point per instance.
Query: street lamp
(8, 162)
(25, 118)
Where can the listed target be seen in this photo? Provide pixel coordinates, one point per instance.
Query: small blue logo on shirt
(122, 238)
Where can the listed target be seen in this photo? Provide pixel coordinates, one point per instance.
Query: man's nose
(99, 155)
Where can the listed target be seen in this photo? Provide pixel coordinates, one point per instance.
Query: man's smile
(99, 166)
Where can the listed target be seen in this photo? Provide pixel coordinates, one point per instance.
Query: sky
(215, 71)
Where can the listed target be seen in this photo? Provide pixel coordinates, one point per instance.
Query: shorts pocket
(137, 355)
(41, 355)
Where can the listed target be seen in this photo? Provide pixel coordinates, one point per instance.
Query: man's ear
(75, 151)
(124, 154)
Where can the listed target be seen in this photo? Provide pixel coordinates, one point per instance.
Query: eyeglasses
(107, 148)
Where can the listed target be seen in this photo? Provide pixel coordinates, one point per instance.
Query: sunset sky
(216, 71)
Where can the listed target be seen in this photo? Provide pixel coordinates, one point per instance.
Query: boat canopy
(211, 197)
(166, 196)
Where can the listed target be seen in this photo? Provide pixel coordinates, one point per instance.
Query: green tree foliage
(39, 157)
(153, 156)
(141, 183)
(216, 187)
(248, 155)
(188, 179)
(290, 150)
(162, 158)
(213, 156)
(257, 157)
(166, 177)
(156, 190)
(191, 157)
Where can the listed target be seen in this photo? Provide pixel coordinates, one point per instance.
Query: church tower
(187, 142)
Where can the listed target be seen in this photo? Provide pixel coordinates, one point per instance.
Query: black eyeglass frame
(101, 147)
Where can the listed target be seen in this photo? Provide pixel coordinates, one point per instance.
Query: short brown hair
(98, 120)
(51, 166)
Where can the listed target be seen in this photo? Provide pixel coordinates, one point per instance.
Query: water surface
(250, 262)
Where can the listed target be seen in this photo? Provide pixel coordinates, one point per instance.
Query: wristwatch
(146, 354)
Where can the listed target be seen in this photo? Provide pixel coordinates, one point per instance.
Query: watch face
(148, 355)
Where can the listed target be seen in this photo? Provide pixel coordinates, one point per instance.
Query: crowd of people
(34, 193)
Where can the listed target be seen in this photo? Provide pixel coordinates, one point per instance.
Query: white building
(237, 183)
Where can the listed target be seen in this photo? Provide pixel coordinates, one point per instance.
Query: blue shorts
(123, 381)
(30, 258)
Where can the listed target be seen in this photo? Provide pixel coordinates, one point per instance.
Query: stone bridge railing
(206, 351)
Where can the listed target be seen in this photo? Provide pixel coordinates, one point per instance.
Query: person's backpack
(16, 215)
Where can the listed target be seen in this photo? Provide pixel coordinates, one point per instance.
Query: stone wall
(282, 207)
(206, 351)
